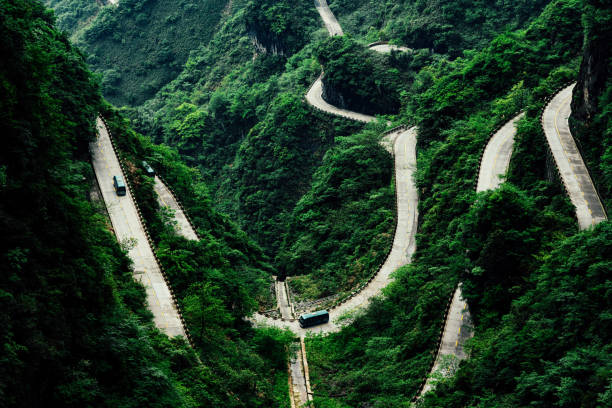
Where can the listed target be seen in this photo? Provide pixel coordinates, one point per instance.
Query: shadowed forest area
(211, 94)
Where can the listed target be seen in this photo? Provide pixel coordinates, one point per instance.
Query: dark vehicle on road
(312, 319)
(119, 185)
(148, 169)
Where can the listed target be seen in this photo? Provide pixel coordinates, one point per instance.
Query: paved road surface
(403, 242)
(457, 329)
(166, 199)
(387, 48)
(315, 98)
(574, 173)
(496, 158)
(299, 393)
(458, 326)
(282, 299)
(332, 25)
(126, 224)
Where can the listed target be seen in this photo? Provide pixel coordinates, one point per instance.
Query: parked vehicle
(313, 319)
(148, 169)
(119, 185)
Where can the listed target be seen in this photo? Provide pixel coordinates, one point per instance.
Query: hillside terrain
(212, 94)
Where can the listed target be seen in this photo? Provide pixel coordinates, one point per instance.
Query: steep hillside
(70, 308)
(592, 102)
(224, 113)
(141, 45)
(74, 15)
(76, 328)
(535, 287)
(446, 27)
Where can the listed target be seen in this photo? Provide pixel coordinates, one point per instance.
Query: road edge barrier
(434, 355)
(547, 101)
(143, 224)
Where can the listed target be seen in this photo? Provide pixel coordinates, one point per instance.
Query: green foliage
(146, 42)
(280, 26)
(364, 80)
(494, 242)
(342, 227)
(279, 151)
(75, 329)
(446, 27)
(510, 58)
(592, 104)
(73, 15)
(552, 349)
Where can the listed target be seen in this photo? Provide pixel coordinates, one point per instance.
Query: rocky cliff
(596, 64)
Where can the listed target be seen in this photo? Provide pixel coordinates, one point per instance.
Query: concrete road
(130, 232)
(403, 242)
(575, 176)
(496, 158)
(457, 329)
(298, 391)
(332, 25)
(166, 199)
(282, 299)
(387, 48)
(458, 326)
(315, 98)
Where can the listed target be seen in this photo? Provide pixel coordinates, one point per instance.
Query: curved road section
(166, 199)
(129, 231)
(403, 241)
(496, 157)
(315, 98)
(388, 48)
(575, 176)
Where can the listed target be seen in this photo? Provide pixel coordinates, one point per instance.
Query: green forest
(211, 94)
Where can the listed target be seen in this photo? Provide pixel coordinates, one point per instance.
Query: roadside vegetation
(210, 93)
(77, 331)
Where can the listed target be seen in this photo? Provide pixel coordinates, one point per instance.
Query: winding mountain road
(130, 232)
(402, 142)
(496, 157)
(574, 173)
(315, 98)
(403, 241)
(388, 48)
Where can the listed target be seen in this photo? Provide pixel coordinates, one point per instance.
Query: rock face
(266, 43)
(595, 67)
(332, 96)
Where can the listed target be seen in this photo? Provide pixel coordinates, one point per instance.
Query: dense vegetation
(76, 328)
(342, 227)
(142, 45)
(506, 246)
(446, 27)
(74, 15)
(363, 80)
(592, 103)
(222, 84)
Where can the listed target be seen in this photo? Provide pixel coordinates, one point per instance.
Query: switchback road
(315, 98)
(130, 232)
(403, 242)
(458, 325)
